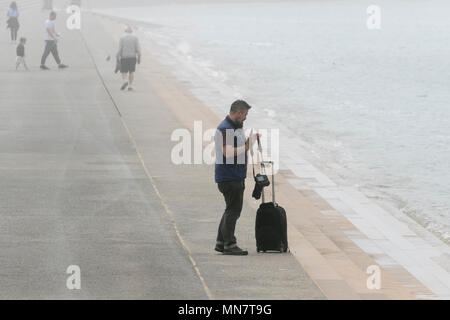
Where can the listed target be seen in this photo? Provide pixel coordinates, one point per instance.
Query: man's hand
(254, 137)
(139, 60)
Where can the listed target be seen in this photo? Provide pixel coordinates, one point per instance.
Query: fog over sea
(373, 106)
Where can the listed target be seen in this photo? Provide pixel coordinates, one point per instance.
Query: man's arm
(119, 52)
(235, 151)
(138, 51)
(51, 34)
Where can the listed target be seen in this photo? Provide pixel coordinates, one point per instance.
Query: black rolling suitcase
(271, 221)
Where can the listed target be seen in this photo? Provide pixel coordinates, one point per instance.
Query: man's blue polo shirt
(233, 168)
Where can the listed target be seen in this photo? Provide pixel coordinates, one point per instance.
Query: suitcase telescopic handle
(263, 163)
(263, 169)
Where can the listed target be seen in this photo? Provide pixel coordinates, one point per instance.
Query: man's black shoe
(235, 251)
(62, 66)
(44, 67)
(218, 248)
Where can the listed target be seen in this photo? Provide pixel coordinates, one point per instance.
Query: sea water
(372, 106)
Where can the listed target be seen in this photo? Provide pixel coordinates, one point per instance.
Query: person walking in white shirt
(51, 39)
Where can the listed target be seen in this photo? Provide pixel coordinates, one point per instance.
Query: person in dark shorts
(128, 55)
(230, 172)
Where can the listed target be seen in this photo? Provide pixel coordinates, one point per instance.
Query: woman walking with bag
(13, 21)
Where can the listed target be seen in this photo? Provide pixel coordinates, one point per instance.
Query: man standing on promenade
(230, 173)
(51, 39)
(128, 54)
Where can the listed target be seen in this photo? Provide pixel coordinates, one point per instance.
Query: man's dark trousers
(50, 47)
(233, 192)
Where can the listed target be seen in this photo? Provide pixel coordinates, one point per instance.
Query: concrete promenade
(87, 180)
(335, 234)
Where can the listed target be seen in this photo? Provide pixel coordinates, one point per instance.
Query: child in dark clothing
(21, 54)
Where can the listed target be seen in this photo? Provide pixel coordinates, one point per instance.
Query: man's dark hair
(52, 13)
(239, 105)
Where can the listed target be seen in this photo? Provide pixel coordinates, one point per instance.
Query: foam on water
(368, 108)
